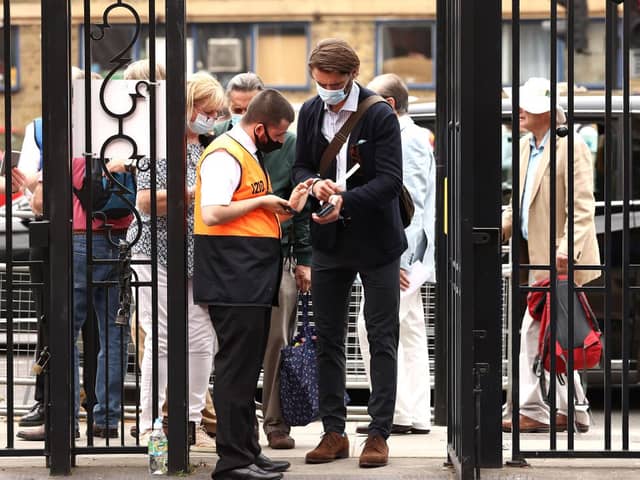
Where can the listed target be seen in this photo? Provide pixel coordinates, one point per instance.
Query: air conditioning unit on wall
(224, 55)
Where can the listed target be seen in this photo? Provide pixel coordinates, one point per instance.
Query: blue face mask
(202, 124)
(235, 119)
(331, 97)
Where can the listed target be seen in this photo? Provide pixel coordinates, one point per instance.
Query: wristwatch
(129, 165)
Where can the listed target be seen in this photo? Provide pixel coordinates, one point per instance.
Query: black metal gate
(55, 232)
(614, 295)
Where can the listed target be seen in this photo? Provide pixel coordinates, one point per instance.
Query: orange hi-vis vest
(254, 182)
(237, 263)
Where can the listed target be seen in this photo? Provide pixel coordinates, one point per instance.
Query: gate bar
(56, 28)
(611, 17)
(627, 173)
(8, 217)
(176, 232)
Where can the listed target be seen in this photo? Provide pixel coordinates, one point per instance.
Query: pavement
(412, 457)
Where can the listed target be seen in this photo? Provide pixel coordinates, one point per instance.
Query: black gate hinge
(482, 236)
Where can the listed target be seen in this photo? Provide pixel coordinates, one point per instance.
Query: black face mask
(269, 146)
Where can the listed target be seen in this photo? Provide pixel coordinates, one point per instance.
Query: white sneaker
(204, 443)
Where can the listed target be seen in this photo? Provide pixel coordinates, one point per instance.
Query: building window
(277, 52)
(116, 39)
(281, 54)
(408, 50)
(535, 54)
(14, 68)
(223, 49)
(534, 51)
(589, 69)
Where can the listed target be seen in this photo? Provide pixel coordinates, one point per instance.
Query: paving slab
(413, 457)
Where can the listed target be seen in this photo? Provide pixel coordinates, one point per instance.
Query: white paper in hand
(418, 274)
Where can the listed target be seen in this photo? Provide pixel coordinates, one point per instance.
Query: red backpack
(587, 347)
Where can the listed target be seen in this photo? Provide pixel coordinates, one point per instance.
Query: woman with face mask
(205, 97)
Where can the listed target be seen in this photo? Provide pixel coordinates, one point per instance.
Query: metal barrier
(24, 337)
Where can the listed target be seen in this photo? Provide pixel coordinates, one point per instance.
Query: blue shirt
(534, 160)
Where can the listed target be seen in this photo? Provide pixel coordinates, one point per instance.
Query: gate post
(471, 77)
(176, 233)
(480, 144)
(56, 28)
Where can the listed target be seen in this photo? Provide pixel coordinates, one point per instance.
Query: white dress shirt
(332, 122)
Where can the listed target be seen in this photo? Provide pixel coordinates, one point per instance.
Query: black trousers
(242, 337)
(332, 282)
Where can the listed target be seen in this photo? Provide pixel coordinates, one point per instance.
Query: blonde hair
(140, 70)
(202, 87)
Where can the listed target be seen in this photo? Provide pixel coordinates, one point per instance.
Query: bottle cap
(157, 424)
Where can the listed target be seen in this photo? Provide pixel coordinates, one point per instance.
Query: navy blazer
(372, 233)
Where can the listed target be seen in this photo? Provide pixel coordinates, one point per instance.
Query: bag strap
(306, 328)
(338, 140)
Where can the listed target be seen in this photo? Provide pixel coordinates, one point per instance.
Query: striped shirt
(332, 122)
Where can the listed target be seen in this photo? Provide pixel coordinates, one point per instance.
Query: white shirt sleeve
(30, 155)
(220, 175)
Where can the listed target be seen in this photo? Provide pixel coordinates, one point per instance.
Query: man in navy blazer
(362, 235)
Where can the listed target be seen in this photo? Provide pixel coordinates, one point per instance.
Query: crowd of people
(270, 215)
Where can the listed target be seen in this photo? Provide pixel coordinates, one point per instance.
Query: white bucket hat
(535, 97)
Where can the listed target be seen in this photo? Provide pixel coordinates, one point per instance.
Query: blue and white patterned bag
(299, 374)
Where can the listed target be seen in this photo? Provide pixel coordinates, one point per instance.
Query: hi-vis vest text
(254, 182)
(237, 263)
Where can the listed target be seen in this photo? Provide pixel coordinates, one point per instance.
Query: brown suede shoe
(280, 441)
(527, 425)
(561, 424)
(375, 452)
(332, 447)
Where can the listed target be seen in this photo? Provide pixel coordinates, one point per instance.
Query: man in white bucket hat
(535, 207)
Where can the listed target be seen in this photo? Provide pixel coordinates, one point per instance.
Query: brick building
(274, 37)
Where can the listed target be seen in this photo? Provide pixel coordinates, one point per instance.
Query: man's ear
(391, 101)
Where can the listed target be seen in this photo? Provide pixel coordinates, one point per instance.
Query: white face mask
(331, 97)
(235, 119)
(202, 124)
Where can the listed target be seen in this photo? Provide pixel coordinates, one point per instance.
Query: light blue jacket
(419, 176)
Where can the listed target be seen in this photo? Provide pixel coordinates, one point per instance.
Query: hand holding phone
(287, 208)
(325, 209)
(15, 158)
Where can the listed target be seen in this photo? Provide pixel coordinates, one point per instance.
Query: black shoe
(34, 418)
(250, 472)
(104, 432)
(400, 429)
(269, 465)
(420, 431)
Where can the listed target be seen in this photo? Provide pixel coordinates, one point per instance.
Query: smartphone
(325, 209)
(289, 210)
(15, 158)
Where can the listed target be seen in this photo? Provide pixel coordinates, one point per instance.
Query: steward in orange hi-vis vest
(239, 262)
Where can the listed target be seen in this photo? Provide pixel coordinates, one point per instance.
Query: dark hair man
(363, 235)
(296, 265)
(237, 271)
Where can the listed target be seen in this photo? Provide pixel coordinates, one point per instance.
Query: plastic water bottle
(158, 450)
